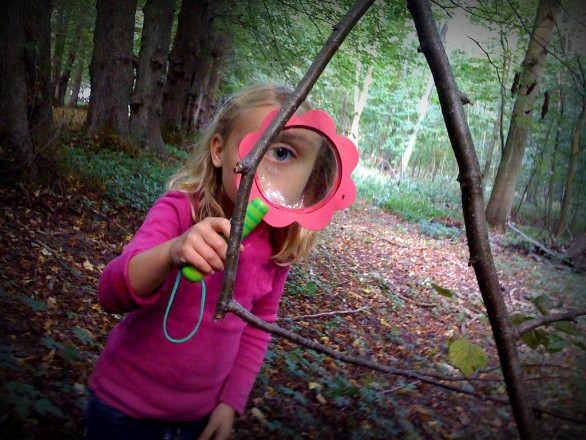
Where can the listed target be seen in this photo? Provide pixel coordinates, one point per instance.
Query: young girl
(146, 387)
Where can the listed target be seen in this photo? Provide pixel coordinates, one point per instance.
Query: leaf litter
(375, 287)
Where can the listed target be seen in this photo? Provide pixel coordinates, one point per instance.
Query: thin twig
(316, 315)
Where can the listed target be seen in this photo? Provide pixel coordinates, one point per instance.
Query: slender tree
(145, 106)
(421, 112)
(60, 35)
(572, 168)
(500, 204)
(111, 70)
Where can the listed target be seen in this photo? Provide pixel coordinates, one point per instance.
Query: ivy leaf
(554, 343)
(44, 406)
(442, 290)
(568, 327)
(534, 338)
(467, 357)
(83, 336)
(543, 303)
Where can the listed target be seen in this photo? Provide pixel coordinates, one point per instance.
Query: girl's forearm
(149, 269)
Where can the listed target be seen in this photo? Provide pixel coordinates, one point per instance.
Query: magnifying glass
(304, 176)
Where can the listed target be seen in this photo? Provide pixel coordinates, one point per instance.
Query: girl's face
(224, 152)
(286, 173)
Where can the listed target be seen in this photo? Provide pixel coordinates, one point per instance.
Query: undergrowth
(414, 201)
(125, 177)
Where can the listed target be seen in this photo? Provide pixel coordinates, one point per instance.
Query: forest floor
(53, 246)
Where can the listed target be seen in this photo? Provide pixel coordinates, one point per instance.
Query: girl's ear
(216, 148)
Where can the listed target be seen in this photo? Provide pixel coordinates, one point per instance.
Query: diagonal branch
(249, 164)
(470, 179)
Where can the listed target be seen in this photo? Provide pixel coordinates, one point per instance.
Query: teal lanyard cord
(203, 301)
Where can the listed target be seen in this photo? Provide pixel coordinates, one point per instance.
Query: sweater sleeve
(253, 346)
(166, 220)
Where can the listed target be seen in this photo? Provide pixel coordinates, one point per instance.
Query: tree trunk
(111, 71)
(17, 158)
(198, 111)
(59, 48)
(360, 97)
(76, 84)
(38, 66)
(503, 192)
(567, 200)
(421, 112)
(63, 78)
(145, 107)
(182, 64)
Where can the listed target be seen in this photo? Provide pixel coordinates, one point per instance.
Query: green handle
(255, 212)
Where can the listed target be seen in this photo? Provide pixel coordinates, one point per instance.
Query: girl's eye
(282, 153)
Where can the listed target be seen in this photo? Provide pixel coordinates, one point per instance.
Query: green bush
(424, 200)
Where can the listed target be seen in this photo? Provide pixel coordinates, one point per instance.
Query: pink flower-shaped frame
(342, 194)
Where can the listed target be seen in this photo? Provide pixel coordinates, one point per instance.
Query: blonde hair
(201, 178)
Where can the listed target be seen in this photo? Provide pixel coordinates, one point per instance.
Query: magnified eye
(281, 153)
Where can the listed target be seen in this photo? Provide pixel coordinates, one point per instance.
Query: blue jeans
(102, 422)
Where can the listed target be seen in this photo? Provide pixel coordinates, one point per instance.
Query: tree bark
(111, 71)
(76, 84)
(17, 149)
(500, 204)
(145, 106)
(213, 50)
(182, 63)
(472, 205)
(567, 200)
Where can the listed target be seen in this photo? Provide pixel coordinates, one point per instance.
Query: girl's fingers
(204, 245)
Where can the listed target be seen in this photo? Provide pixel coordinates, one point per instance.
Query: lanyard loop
(170, 304)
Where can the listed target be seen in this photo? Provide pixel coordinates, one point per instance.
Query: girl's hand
(220, 424)
(202, 246)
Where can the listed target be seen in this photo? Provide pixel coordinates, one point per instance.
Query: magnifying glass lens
(299, 169)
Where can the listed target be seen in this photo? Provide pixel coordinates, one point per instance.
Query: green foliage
(127, 178)
(467, 357)
(35, 305)
(554, 337)
(438, 230)
(25, 399)
(423, 201)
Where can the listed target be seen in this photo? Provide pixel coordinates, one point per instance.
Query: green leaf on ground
(442, 290)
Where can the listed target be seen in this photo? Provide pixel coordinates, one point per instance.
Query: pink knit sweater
(144, 375)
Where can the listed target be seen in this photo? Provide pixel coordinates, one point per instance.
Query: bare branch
(536, 243)
(425, 377)
(249, 164)
(527, 326)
